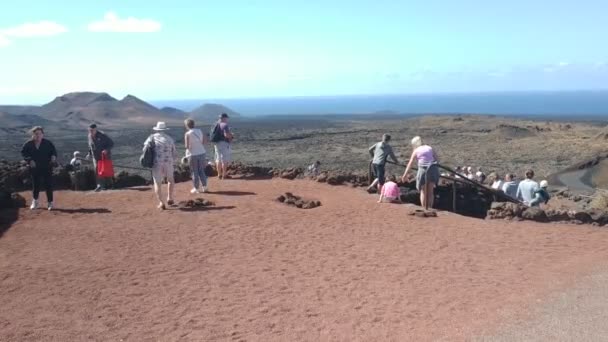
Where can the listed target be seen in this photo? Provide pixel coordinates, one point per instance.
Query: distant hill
(22, 123)
(178, 113)
(79, 109)
(82, 108)
(211, 111)
(19, 110)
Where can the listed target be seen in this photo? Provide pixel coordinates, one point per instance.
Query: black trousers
(43, 176)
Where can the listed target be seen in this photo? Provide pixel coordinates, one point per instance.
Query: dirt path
(111, 267)
(575, 314)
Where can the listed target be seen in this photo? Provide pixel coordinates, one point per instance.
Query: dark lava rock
(599, 216)
(126, 180)
(557, 215)
(297, 201)
(534, 214)
(422, 213)
(580, 216)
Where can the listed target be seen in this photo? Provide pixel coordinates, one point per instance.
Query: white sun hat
(544, 184)
(160, 126)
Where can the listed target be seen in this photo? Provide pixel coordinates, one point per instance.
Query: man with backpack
(221, 137)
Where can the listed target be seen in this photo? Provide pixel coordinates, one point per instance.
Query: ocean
(575, 104)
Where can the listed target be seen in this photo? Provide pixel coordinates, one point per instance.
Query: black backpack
(147, 157)
(216, 134)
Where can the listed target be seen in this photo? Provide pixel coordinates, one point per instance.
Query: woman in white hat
(164, 158)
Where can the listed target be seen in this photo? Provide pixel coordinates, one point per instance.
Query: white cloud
(39, 29)
(563, 64)
(112, 23)
(30, 30)
(4, 41)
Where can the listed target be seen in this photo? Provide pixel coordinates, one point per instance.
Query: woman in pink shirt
(428, 172)
(390, 192)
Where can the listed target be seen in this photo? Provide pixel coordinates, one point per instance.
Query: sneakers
(205, 190)
(161, 206)
(194, 191)
(98, 188)
(34, 205)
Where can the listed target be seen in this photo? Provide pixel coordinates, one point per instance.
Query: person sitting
(314, 169)
(458, 171)
(527, 188)
(390, 192)
(541, 195)
(480, 176)
(76, 163)
(509, 187)
(496, 181)
(470, 175)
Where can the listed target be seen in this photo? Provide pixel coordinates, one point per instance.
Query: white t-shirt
(196, 143)
(497, 185)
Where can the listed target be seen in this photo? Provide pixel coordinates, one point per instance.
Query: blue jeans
(197, 167)
(379, 171)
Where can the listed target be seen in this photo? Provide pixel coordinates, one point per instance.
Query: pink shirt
(425, 154)
(391, 189)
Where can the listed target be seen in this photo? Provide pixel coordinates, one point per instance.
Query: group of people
(528, 191)
(41, 156)
(427, 175)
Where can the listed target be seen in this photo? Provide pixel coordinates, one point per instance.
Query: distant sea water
(578, 104)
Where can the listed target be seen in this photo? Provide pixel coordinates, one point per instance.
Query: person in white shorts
(221, 137)
(164, 158)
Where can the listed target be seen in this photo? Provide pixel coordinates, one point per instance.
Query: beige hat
(160, 126)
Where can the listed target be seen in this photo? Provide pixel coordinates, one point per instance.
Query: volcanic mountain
(211, 111)
(82, 108)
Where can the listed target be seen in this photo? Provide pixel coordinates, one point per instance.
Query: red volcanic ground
(111, 267)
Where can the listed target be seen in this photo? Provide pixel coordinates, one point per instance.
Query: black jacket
(99, 143)
(41, 155)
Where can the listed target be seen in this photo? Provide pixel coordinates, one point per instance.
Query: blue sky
(232, 49)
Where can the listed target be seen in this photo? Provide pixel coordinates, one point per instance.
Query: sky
(197, 49)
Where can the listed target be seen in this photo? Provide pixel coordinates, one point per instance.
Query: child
(75, 162)
(541, 195)
(390, 192)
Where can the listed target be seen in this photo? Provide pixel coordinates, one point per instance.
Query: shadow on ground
(206, 208)
(7, 218)
(84, 211)
(233, 193)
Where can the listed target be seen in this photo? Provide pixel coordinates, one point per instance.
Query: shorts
(223, 152)
(162, 171)
(427, 172)
(379, 171)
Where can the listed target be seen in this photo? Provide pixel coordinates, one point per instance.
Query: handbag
(105, 168)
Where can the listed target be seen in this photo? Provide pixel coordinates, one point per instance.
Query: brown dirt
(111, 267)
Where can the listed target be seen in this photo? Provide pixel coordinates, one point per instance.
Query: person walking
(197, 155)
(380, 152)
(221, 137)
(98, 143)
(428, 172)
(164, 158)
(40, 155)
